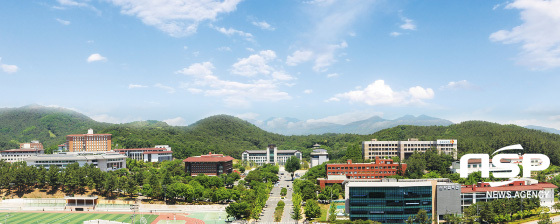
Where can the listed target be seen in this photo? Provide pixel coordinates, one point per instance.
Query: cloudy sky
(314, 60)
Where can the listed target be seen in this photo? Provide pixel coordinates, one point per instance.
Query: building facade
(524, 188)
(105, 161)
(18, 155)
(89, 142)
(403, 149)
(318, 157)
(148, 154)
(209, 165)
(271, 155)
(380, 168)
(31, 145)
(393, 201)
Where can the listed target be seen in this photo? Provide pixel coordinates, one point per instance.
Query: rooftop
(209, 158)
(22, 150)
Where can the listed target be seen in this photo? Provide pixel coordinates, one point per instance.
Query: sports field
(64, 218)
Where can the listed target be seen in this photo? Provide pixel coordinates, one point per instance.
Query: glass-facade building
(393, 201)
(389, 204)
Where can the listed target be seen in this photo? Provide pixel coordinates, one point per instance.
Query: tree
(292, 164)
(556, 206)
(422, 217)
(452, 218)
(296, 200)
(312, 209)
(415, 166)
(240, 210)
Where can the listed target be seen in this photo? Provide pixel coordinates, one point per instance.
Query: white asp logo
(496, 161)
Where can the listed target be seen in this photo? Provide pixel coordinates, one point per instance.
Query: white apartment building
(403, 149)
(271, 155)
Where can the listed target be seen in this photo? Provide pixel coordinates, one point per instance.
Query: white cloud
(326, 57)
(133, 86)
(419, 93)
(234, 94)
(185, 47)
(72, 3)
(96, 57)
(395, 34)
(331, 21)
(254, 64)
(168, 89)
(63, 22)
(179, 17)
(538, 34)
(194, 90)
(408, 24)
(8, 68)
(308, 91)
(379, 93)
(263, 25)
(463, 84)
(111, 119)
(198, 69)
(332, 75)
(282, 76)
(178, 121)
(299, 57)
(250, 49)
(248, 116)
(231, 31)
(554, 118)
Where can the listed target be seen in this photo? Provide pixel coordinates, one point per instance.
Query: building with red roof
(518, 188)
(210, 165)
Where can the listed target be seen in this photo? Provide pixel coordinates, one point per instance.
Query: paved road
(555, 219)
(274, 198)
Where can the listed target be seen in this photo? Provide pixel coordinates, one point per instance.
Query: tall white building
(271, 155)
(318, 157)
(403, 149)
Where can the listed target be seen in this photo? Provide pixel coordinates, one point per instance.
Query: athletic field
(68, 218)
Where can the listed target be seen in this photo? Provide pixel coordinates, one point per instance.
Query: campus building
(318, 156)
(156, 154)
(379, 168)
(31, 145)
(18, 155)
(517, 188)
(105, 161)
(271, 155)
(403, 149)
(209, 165)
(393, 201)
(89, 142)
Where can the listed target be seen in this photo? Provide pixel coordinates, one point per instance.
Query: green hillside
(231, 136)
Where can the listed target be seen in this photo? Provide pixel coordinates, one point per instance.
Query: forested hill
(231, 136)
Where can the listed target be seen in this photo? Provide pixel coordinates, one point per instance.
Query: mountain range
(292, 126)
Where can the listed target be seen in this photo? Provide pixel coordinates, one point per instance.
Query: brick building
(380, 168)
(210, 165)
(89, 142)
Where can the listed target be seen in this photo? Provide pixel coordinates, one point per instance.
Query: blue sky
(314, 60)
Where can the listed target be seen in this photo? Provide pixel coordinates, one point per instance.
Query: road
(274, 198)
(555, 219)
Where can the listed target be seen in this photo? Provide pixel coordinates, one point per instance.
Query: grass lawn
(70, 218)
(324, 211)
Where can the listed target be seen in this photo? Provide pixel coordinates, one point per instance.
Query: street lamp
(164, 194)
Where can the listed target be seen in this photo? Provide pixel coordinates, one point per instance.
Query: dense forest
(231, 135)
